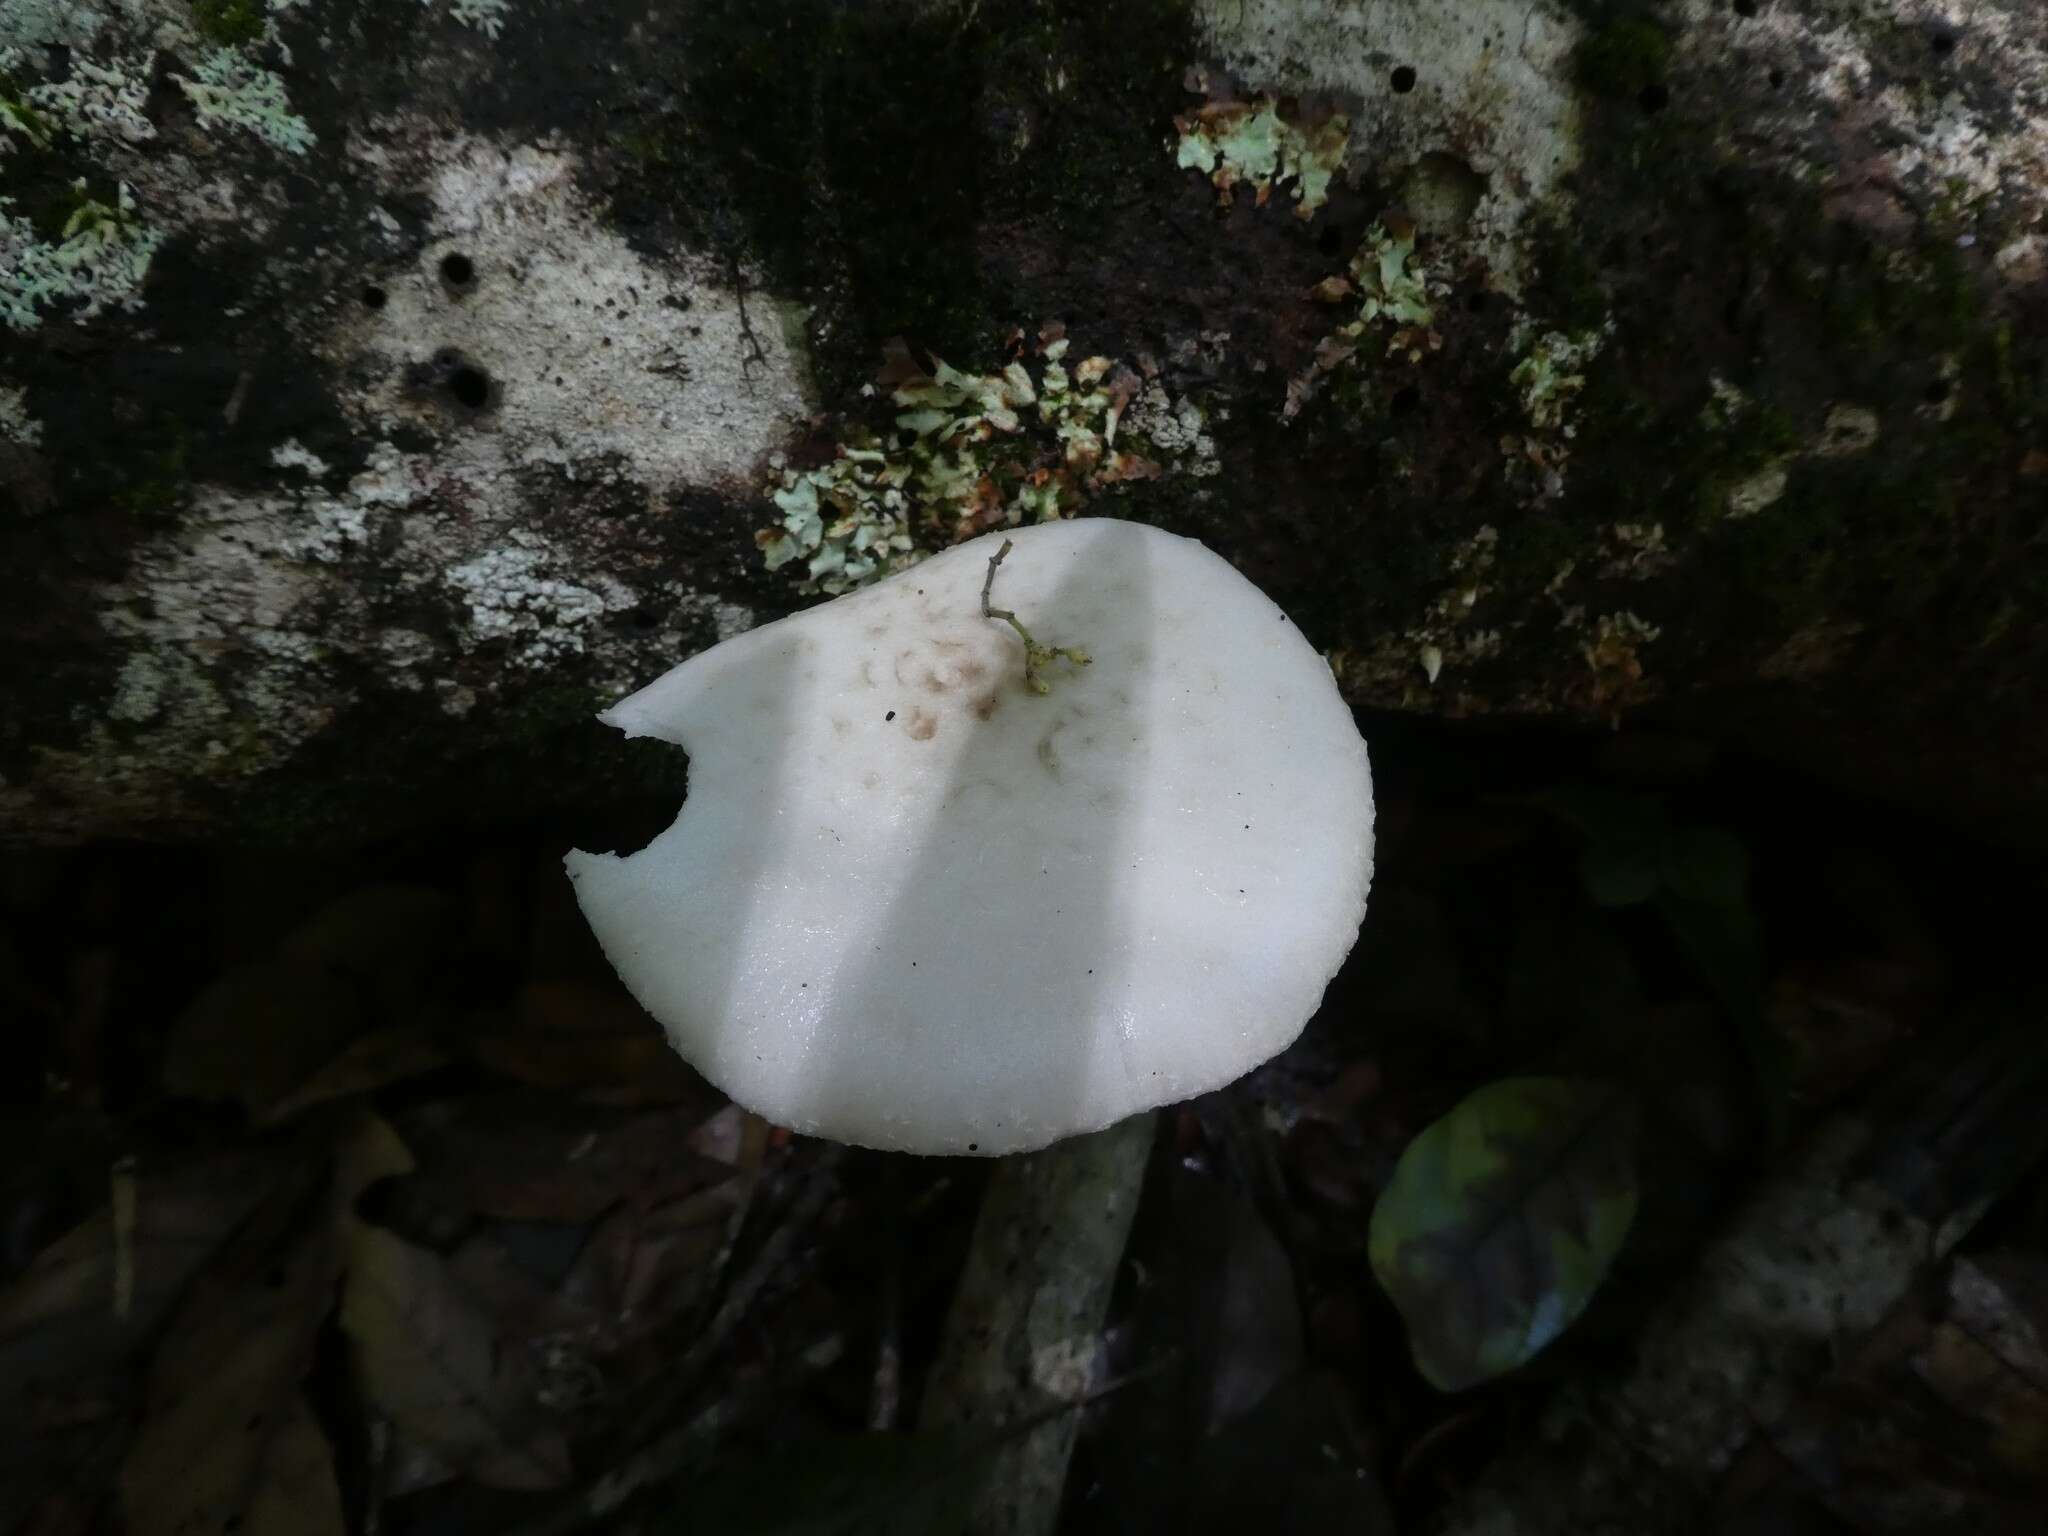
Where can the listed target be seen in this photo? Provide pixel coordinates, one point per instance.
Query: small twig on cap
(1035, 655)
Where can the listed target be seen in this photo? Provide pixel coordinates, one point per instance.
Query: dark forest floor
(352, 1193)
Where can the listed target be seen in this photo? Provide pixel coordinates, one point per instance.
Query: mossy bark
(1822, 381)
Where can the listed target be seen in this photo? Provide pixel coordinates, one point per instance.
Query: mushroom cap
(912, 905)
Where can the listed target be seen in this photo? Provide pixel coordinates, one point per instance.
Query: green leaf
(1611, 817)
(1501, 1221)
(1719, 938)
(1706, 865)
(1618, 876)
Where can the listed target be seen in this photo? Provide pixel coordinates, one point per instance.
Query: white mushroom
(912, 904)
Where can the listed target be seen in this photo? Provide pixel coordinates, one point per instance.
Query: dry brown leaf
(436, 1364)
(61, 1342)
(294, 1492)
(1128, 466)
(263, 1031)
(520, 1157)
(370, 1150)
(641, 1269)
(428, 1356)
(589, 1040)
(382, 940)
(226, 1440)
(258, 1032)
(1987, 1360)
(579, 1010)
(387, 1056)
(226, 1385)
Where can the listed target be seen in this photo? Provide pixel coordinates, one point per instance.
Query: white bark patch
(519, 593)
(255, 620)
(1964, 127)
(1491, 85)
(17, 426)
(218, 598)
(587, 348)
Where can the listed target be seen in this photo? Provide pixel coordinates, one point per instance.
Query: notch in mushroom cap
(913, 904)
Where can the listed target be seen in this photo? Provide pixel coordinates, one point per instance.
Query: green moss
(231, 23)
(1622, 58)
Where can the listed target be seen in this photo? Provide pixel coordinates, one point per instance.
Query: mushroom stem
(1035, 655)
(1023, 1333)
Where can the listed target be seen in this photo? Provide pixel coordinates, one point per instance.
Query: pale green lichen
(485, 16)
(1446, 635)
(1547, 381)
(1391, 287)
(1549, 376)
(73, 24)
(848, 519)
(971, 452)
(1728, 405)
(17, 426)
(1390, 282)
(98, 262)
(1762, 488)
(1849, 432)
(228, 87)
(139, 690)
(1178, 429)
(1637, 551)
(95, 103)
(1614, 653)
(1249, 143)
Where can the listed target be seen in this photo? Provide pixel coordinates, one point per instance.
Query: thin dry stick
(662, 1452)
(121, 1206)
(1035, 655)
(682, 1380)
(683, 1448)
(886, 1397)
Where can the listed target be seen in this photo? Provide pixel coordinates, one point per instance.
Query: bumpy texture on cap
(910, 904)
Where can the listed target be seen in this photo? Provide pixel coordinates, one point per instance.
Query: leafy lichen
(1250, 143)
(485, 16)
(97, 263)
(848, 520)
(1547, 382)
(1549, 376)
(17, 426)
(228, 87)
(1391, 288)
(968, 452)
(96, 103)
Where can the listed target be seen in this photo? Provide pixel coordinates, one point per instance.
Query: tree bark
(388, 386)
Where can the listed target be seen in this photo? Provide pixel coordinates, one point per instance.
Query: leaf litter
(415, 1217)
